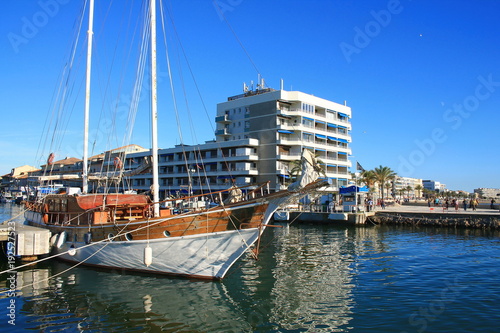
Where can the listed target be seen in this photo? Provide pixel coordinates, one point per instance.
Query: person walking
(464, 203)
(492, 204)
(474, 204)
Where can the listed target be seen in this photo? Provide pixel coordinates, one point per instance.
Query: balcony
(224, 119)
(223, 132)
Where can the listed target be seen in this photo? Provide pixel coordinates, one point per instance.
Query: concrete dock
(24, 241)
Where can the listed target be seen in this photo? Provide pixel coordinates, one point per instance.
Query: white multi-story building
(285, 123)
(260, 136)
(407, 187)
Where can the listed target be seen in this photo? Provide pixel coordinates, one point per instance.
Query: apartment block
(285, 123)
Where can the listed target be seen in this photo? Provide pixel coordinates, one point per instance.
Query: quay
(422, 215)
(24, 241)
(416, 214)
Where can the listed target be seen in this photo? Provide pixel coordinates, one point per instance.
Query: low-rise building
(491, 193)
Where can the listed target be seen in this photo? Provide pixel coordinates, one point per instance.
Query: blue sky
(422, 77)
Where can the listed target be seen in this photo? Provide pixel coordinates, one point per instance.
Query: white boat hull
(203, 256)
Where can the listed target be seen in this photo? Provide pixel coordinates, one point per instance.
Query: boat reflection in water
(302, 280)
(103, 300)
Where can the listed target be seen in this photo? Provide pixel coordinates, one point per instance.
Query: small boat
(133, 232)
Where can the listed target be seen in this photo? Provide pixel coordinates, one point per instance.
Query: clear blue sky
(422, 77)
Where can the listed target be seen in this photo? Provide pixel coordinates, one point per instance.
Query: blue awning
(285, 132)
(331, 138)
(321, 136)
(343, 115)
(331, 165)
(284, 176)
(308, 118)
(342, 127)
(320, 122)
(331, 125)
(320, 149)
(352, 189)
(342, 140)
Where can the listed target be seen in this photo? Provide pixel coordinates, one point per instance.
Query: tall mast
(154, 114)
(90, 33)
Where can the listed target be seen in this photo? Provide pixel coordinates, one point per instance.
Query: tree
(409, 189)
(369, 178)
(383, 174)
(295, 168)
(419, 189)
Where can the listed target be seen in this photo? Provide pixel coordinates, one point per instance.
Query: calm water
(309, 278)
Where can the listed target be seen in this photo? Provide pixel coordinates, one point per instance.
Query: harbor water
(309, 278)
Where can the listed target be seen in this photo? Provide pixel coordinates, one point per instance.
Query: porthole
(111, 237)
(166, 233)
(128, 236)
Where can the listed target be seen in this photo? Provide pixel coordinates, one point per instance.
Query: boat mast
(154, 114)
(90, 33)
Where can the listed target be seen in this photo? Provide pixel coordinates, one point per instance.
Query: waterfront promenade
(421, 208)
(423, 215)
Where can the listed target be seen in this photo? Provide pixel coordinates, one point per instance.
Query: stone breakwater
(437, 220)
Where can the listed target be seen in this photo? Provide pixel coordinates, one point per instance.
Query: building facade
(434, 186)
(406, 187)
(285, 123)
(493, 193)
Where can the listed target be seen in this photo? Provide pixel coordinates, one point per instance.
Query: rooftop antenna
(281, 84)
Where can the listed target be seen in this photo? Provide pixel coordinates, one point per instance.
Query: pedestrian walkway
(409, 208)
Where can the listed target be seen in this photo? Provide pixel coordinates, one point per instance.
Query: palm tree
(368, 178)
(383, 174)
(388, 187)
(295, 168)
(409, 189)
(419, 189)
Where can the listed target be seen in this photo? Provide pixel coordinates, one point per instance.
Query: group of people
(369, 204)
(471, 203)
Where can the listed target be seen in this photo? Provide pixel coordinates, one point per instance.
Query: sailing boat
(131, 232)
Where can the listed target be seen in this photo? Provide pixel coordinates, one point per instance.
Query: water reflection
(98, 300)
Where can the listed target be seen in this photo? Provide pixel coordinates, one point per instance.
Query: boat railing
(259, 191)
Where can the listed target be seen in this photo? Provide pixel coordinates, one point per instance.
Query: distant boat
(6, 197)
(189, 238)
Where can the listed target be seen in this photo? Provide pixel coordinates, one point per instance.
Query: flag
(359, 167)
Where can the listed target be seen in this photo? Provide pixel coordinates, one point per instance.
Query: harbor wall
(456, 220)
